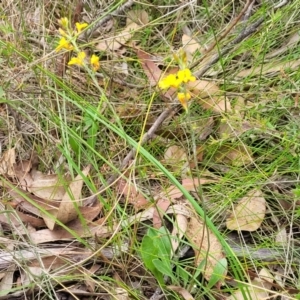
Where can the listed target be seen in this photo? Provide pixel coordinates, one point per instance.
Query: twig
(147, 136)
(229, 28)
(244, 10)
(245, 33)
(150, 133)
(248, 12)
(280, 4)
(120, 9)
(263, 254)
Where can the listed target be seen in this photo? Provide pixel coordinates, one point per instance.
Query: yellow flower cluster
(67, 34)
(178, 81)
(79, 61)
(68, 42)
(172, 80)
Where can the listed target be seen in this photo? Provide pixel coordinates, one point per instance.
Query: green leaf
(183, 275)
(75, 146)
(152, 232)
(92, 132)
(2, 93)
(148, 252)
(164, 244)
(218, 272)
(164, 268)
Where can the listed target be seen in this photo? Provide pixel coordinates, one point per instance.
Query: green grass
(80, 118)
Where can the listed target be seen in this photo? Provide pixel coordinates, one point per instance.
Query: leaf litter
(249, 212)
(48, 209)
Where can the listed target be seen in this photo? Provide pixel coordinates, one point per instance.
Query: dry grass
(64, 118)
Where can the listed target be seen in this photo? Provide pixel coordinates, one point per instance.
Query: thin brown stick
(146, 137)
(244, 34)
(166, 113)
(229, 28)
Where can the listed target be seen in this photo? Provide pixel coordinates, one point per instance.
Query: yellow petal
(185, 75)
(95, 62)
(63, 44)
(81, 26)
(169, 81)
(73, 61)
(79, 60)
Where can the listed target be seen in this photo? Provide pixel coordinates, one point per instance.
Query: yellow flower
(81, 26)
(172, 80)
(64, 22)
(64, 44)
(169, 81)
(185, 76)
(95, 62)
(183, 98)
(79, 60)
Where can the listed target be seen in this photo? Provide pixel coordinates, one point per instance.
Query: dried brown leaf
(22, 172)
(176, 157)
(210, 96)
(249, 212)
(119, 40)
(68, 209)
(29, 202)
(202, 128)
(82, 230)
(31, 274)
(234, 127)
(161, 207)
(146, 214)
(175, 154)
(50, 187)
(89, 282)
(51, 262)
(282, 237)
(190, 184)
(191, 46)
(11, 217)
(7, 162)
(138, 16)
(133, 196)
(32, 220)
(205, 244)
(178, 230)
(120, 294)
(183, 292)
(7, 281)
(273, 67)
(235, 155)
(152, 71)
(258, 288)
